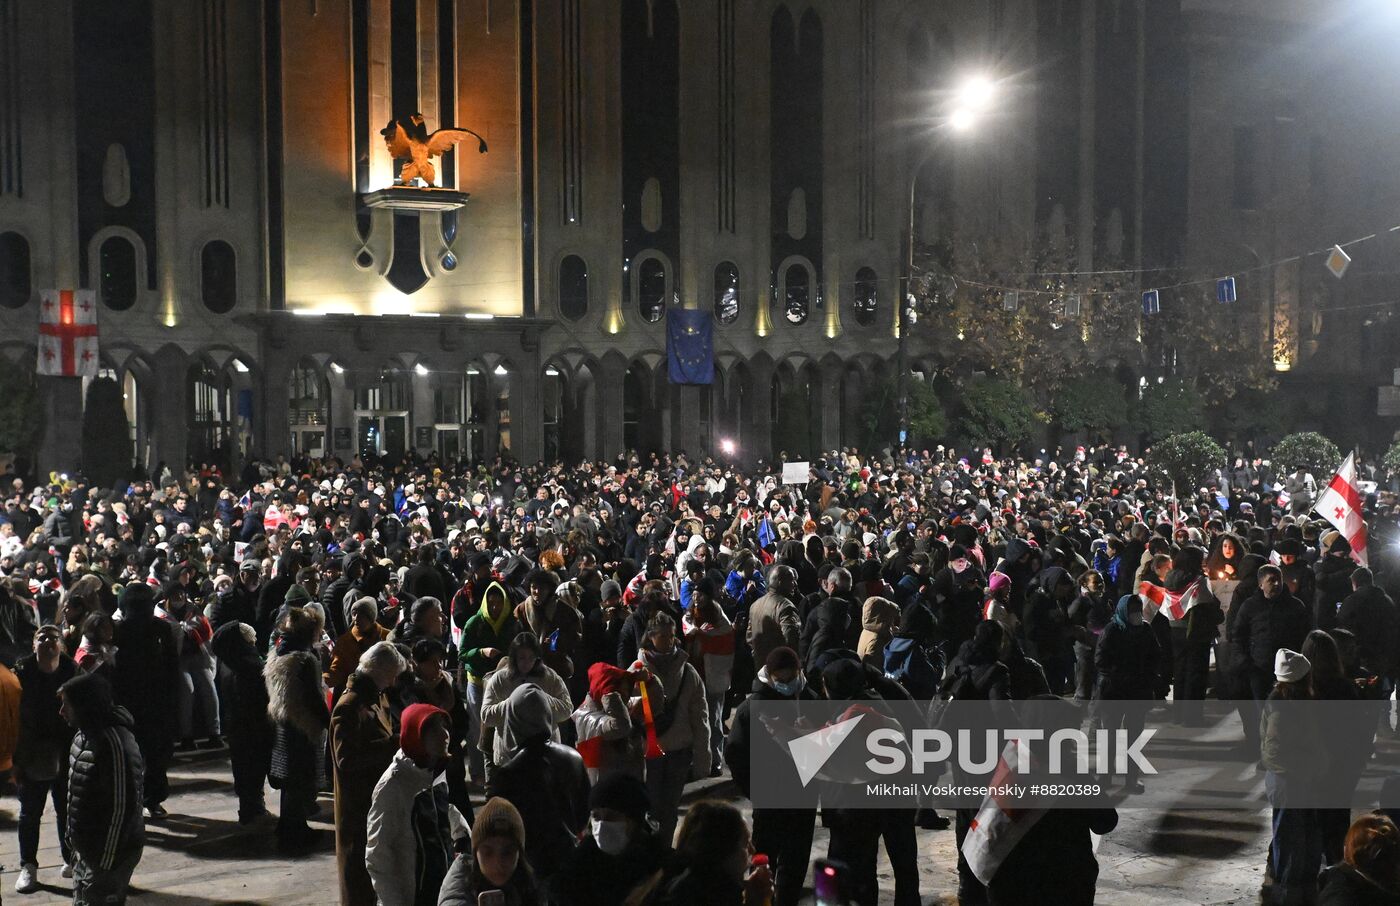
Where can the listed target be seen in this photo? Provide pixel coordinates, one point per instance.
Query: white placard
(795, 472)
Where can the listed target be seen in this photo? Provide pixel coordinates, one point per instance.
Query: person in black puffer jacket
(145, 680)
(1126, 660)
(545, 781)
(1333, 575)
(105, 826)
(243, 695)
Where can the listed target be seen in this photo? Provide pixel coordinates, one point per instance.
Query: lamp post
(971, 99)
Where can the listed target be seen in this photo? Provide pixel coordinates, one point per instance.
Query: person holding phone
(495, 872)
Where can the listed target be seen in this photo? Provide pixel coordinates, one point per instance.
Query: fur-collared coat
(296, 702)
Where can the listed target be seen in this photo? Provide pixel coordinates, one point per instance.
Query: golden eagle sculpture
(408, 139)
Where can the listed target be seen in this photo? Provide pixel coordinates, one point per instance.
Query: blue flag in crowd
(690, 346)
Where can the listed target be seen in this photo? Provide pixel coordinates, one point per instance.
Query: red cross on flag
(68, 333)
(1340, 505)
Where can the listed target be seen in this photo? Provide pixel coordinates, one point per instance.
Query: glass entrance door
(382, 434)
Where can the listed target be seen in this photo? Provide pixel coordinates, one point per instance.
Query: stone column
(170, 408)
(61, 399)
(829, 405)
(758, 419)
(609, 396)
(526, 420)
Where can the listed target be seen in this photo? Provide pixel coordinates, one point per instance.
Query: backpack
(908, 664)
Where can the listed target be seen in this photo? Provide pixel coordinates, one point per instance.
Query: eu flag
(690, 346)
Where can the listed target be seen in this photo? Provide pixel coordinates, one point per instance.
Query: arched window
(117, 267)
(797, 293)
(15, 281)
(218, 277)
(865, 297)
(726, 292)
(573, 287)
(651, 289)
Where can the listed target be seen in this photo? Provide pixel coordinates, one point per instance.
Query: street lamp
(971, 99)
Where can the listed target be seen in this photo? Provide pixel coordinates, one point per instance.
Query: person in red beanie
(409, 846)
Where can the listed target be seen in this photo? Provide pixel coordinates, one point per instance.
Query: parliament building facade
(214, 171)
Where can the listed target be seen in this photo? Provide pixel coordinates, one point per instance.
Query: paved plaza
(200, 855)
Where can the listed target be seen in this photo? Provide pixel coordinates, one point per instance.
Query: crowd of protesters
(579, 643)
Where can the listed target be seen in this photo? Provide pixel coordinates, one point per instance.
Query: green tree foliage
(928, 421)
(21, 413)
(1392, 459)
(1254, 414)
(1170, 407)
(1308, 450)
(996, 413)
(107, 453)
(1187, 459)
(1094, 403)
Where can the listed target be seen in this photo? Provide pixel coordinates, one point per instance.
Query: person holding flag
(1340, 504)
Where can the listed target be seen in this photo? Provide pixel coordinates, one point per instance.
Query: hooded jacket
(747, 745)
(495, 701)
(1127, 655)
(546, 781)
(483, 632)
(879, 619)
(682, 721)
(408, 845)
(105, 778)
(242, 691)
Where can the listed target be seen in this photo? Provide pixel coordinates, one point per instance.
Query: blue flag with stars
(690, 346)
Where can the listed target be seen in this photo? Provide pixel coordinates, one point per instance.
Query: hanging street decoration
(1225, 290)
(1338, 261)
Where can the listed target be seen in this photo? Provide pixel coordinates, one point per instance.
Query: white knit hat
(1290, 666)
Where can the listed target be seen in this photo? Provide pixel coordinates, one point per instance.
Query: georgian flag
(998, 825)
(1174, 604)
(1340, 505)
(67, 333)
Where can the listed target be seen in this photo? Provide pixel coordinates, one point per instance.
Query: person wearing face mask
(620, 850)
(785, 835)
(409, 847)
(1126, 661)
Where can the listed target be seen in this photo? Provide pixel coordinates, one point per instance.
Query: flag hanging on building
(690, 346)
(68, 333)
(1340, 505)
